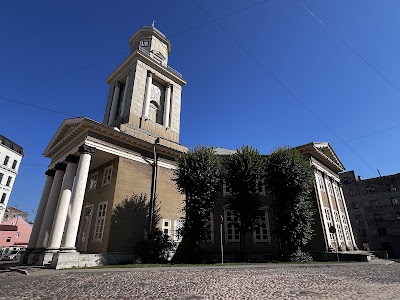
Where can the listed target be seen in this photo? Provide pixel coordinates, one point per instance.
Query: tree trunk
(242, 254)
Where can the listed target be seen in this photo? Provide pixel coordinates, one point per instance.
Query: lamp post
(222, 242)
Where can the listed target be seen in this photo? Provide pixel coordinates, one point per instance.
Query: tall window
(339, 228)
(107, 175)
(232, 226)
(362, 232)
(321, 183)
(355, 205)
(330, 222)
(3, 198)
(262, 233)
(226, 188)
(6, 159)
(8, 181)
(210, 228)
(14, 165)
(378, 217)
(346, 227)
(395, 201)
(330, 190)
(93, 181)
(100, 221)
(166, 226)
(155, 112)
(374, 203)
(1, 177)
(382, 231)
(337, 192)
(352, 192)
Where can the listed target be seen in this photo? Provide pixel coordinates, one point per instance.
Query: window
(6, 159)
(370, 190)
(3, 198)
(226, 188)
(261, 188)
(107, 175)
(378, 217)
(352, 192)
(177, 225)
(210, 228)
(374, 203)
(398, 216)
(362, 232)
(355, 205)
(14, 165)
(166, 227)
(382, 231)
(1, 177)
(93, 181)
(17, 234)
(329, 221)
(100, 220)
(395, 201)
(262, 233)
(321, 183)
(8, 239)
(338, 227)
(330, 190)
(337, 192)
(358, 218)
(231, 227)
(346, 227)
(8, 181)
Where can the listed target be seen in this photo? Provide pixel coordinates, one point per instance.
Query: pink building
(15, 233)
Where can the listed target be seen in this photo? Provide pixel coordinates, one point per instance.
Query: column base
(68, 250)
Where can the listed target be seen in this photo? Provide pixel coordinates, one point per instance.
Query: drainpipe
(153, 186)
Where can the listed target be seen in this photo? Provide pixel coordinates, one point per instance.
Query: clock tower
(145, 92)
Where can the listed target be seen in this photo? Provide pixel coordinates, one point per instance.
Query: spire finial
(153, 23)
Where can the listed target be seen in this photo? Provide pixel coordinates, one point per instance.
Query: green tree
(244, 172)
(289, 178)
(198, 178)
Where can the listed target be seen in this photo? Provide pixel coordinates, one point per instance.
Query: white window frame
(339, 228)
(166, 227)
(264, 226)
(330, 188)
(346, 227)
(93, 181)
(321, 183)
(100, 221)
(262, 192)
(230, 220)
(329, 221)
(107, 175)
(177, 225)
(394, 201)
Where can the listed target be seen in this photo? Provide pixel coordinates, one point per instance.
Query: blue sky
(344, 74)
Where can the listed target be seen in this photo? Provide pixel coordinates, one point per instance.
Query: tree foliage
(198, 178)
(244, 173)
(289, 178)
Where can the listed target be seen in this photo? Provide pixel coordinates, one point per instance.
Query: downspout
(153, 186)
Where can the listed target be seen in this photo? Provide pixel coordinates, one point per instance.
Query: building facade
(374, 209)
(10, 159)
(15, 233)
(96, 167)
(328, 201)
(85, 212)
(13, 212)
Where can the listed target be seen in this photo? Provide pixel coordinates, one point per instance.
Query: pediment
(324, 153)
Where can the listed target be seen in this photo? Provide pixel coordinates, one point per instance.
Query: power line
(36, 106)
(283, 85)
(348, 46)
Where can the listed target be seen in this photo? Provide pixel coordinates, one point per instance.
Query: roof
(11, 145)
(223, 151)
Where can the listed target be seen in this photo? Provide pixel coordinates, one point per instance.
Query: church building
(96, 166)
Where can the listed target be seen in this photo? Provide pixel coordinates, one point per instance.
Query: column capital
(168, 85)
(149, 74)
(72, 159)
(118, 84)
(60, 166)
(85, 149)
(50, 173)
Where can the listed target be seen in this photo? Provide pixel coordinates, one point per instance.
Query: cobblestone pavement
(315, 282)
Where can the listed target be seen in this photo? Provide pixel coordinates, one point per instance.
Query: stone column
(147, 95)
(51, 206)
(63, 203)
(114, 104)
(167, 105)
(348, 219)
(75, 208)
(322, 211)
(327, 182)
(41, 209)
(125, 95)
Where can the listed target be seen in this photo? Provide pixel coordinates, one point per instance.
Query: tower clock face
(144, 43)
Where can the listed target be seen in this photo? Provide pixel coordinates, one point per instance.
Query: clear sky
(262, 73)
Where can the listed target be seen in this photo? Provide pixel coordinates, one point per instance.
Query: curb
(18, 270)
